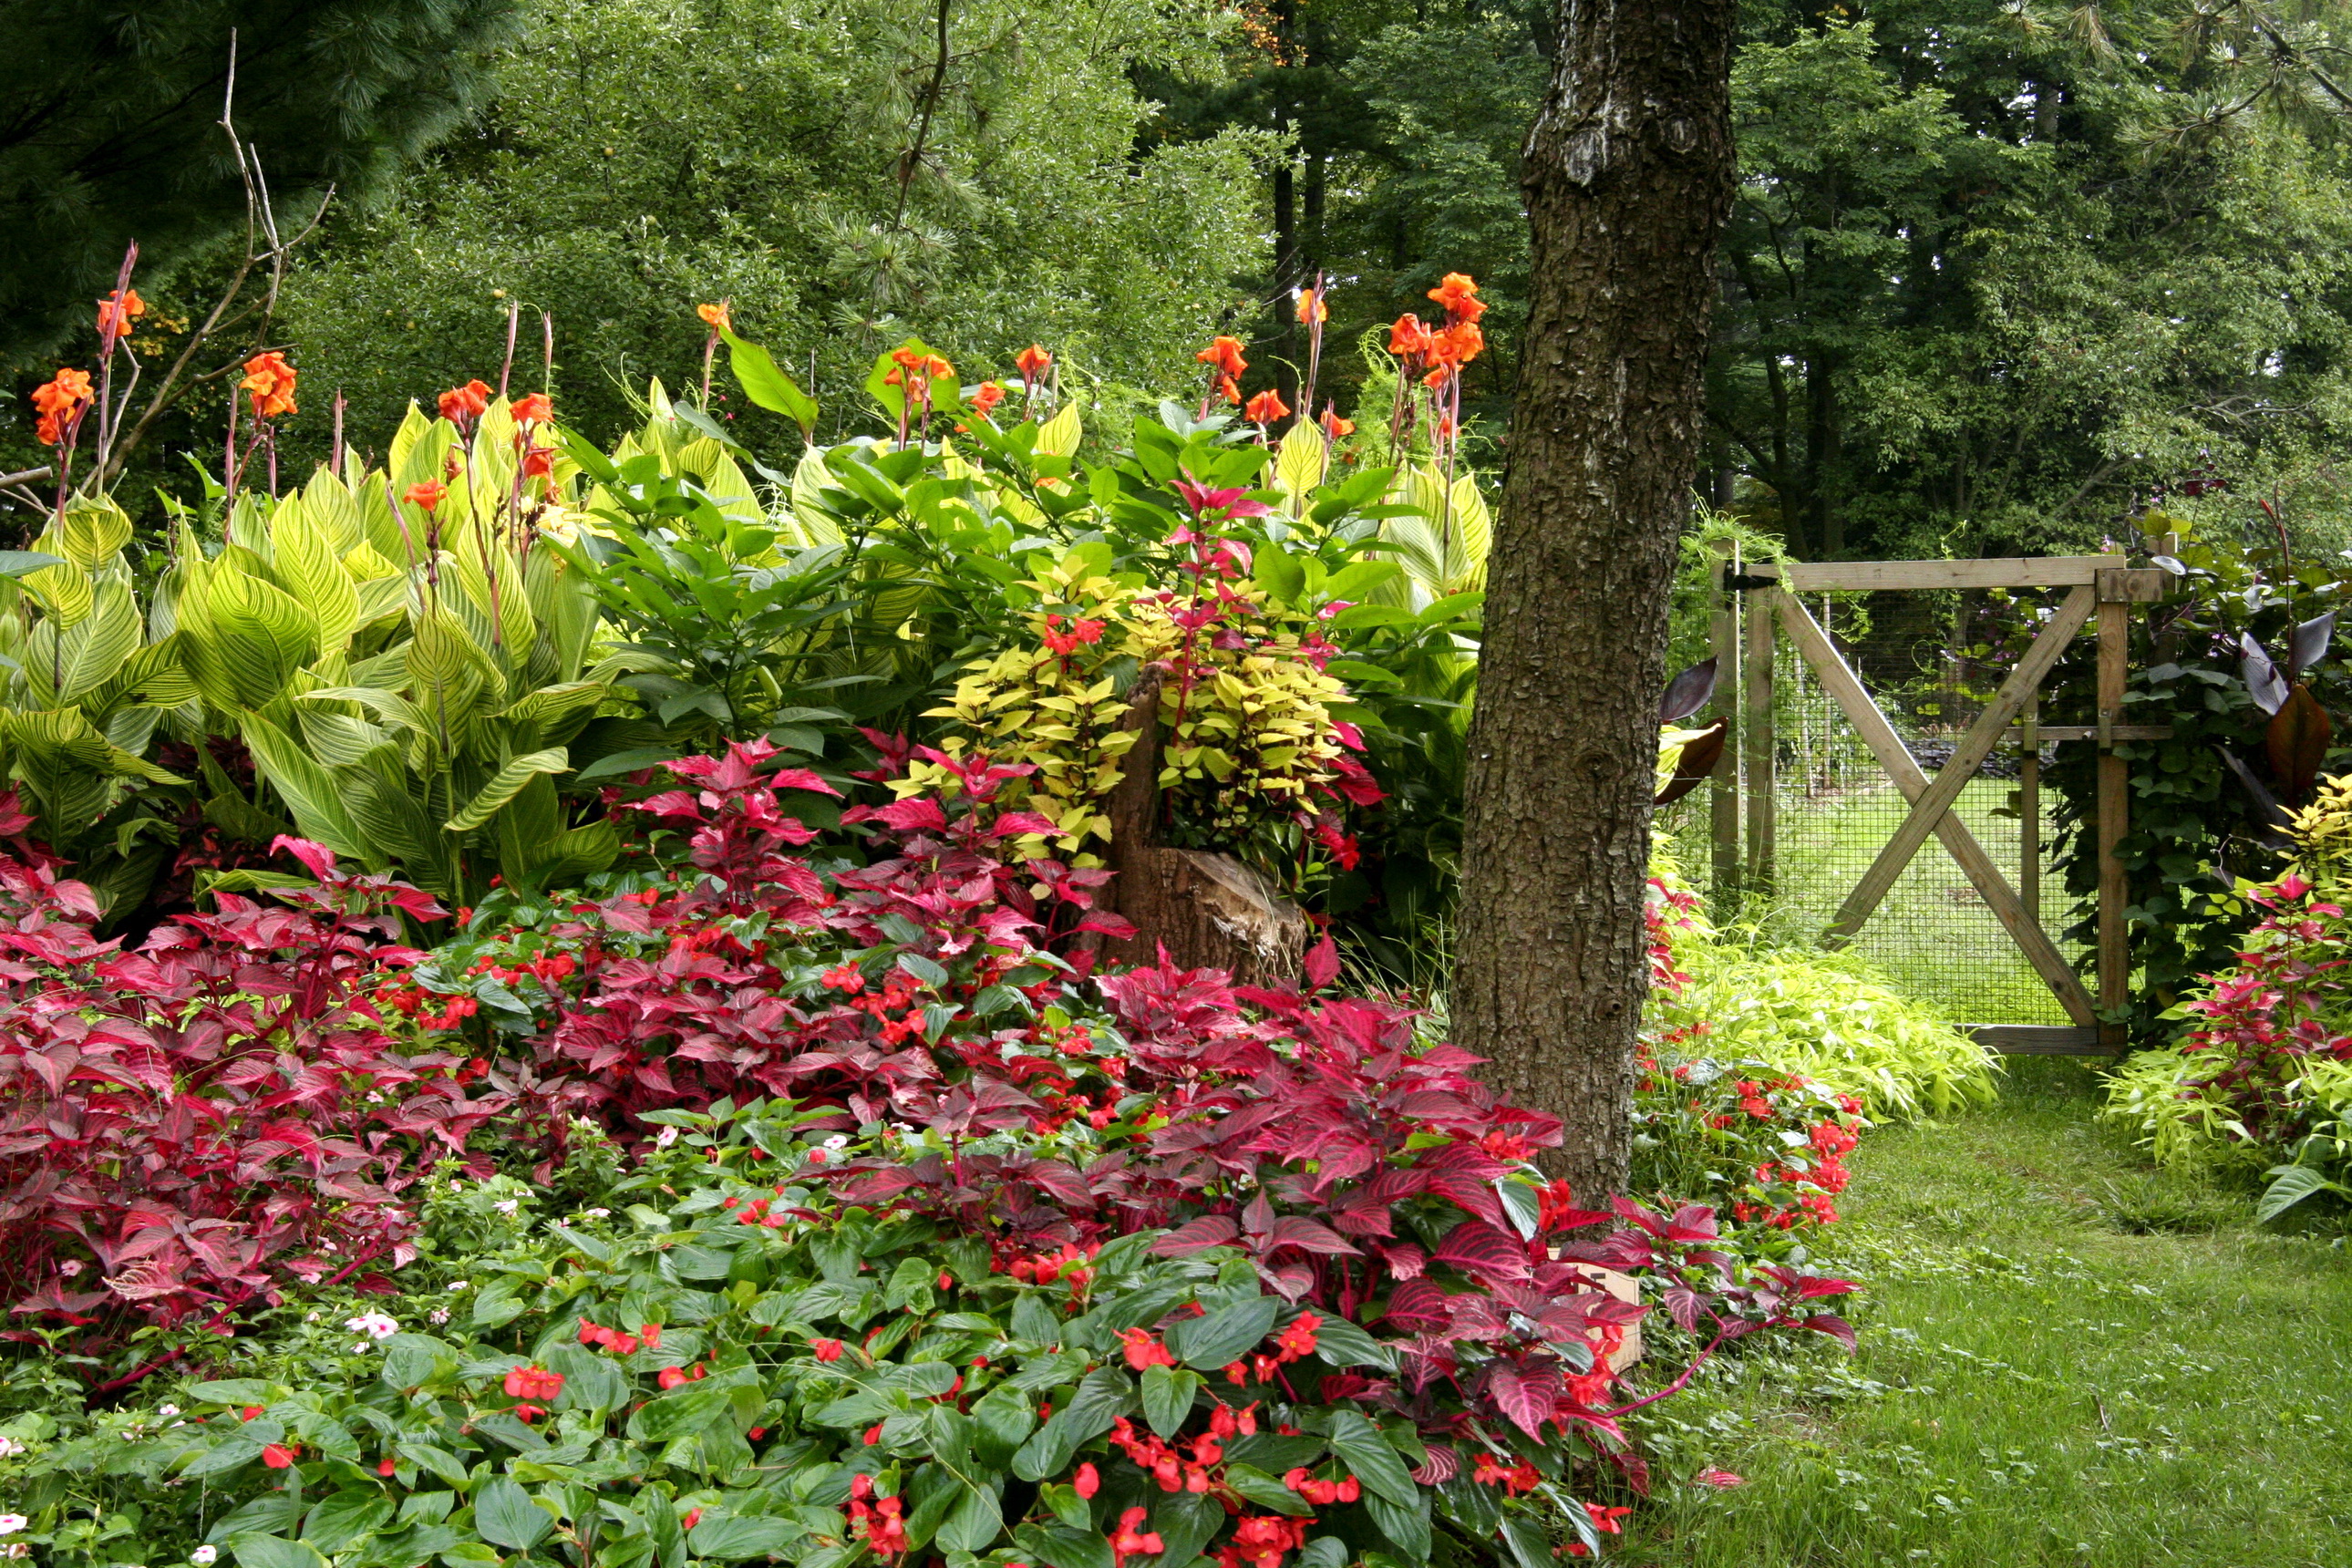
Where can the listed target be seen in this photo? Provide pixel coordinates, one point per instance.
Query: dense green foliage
(824, 167)
(112, 136)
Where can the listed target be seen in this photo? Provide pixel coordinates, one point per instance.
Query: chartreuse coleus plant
(1249, 741)
(737, 1364)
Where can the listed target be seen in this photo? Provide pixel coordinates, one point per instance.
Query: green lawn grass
(2066, 1358)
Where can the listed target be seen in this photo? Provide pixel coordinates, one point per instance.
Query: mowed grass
(2066, 1358)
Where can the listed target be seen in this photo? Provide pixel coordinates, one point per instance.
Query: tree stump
(1207, 909)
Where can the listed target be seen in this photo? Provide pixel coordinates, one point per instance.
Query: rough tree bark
(1628, 174)
(1204, 910)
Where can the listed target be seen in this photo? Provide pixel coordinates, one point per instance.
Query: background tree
(1996, 269)
(848, 174)
(1628, 174)
(107, 115)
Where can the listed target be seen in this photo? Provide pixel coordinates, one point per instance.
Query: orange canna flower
(461, 405)
(539, 463)
(426, 493)
(536, 408)
(47, 431)
(717, 317)
(1438, 376)
(270, 380)
(1407, 337)
(1225, 353)
(1460, 343)
(61, 394)
(1265, 408)
(1311, 309)
(114, 320)
(906, 357)
(1335, 427)
(989, 395)
(894, 377)
(1459, 295)
(935, 367)
(1033, 361)
(1230, 388)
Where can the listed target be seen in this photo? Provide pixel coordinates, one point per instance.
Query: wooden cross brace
(1931, 804)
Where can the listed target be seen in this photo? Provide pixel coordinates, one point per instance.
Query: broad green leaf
(506, 1516)
(312, 793)
(974, 1523)
(272, 1551)
(730, 1538)
(1407, 1525)
(340, 1519)
(1298, 462)
(1058, 436)
(1226, 1334)
(680, 1412)
(1264, 1490)
(1368, 1454)
(766, 385)
(1167, 1397)
(506, 784)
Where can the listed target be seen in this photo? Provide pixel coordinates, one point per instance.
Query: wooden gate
(2101, 594)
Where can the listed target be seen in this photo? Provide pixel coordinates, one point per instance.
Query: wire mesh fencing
(1835, 808)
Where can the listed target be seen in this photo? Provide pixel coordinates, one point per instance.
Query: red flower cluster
(60, 402)
(1346, 1489)
(1293, 1343)
(876, 1520)
(533, 1383)
(1063, 644)
(1131, 1540)
(269, 381)
(648, 1336)
(1260, 1539)
(1513, 1479)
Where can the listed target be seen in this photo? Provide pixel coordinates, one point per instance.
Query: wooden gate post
(1760, 750)
(1723, 787)
(2119, 589)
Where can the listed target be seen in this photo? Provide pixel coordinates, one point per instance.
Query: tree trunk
(1200, 910)
(1627, 175)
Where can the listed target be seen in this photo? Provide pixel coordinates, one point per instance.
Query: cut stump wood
(1205, 909)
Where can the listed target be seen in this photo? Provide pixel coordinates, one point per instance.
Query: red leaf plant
(758, 972)
(1363, 1171)
(188, 1126)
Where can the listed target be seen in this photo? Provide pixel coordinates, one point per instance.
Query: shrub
(2263, 1069)
(764, 1344)
(194, 1126)
(1809, 1015)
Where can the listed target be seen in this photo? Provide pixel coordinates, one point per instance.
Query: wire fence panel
(1835, 808)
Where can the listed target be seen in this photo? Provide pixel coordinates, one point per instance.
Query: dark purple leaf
(1526, 1394)
(1686, 693)
(1829, 1323)
(1420, 1304)
(1209, 1230)
(2297, 741)
(1476, 1247)
(2273, 818)
(1322, 964)
(1305, 1234)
